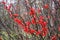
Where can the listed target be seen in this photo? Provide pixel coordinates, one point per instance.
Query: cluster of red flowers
(26, 28)
(44, 29)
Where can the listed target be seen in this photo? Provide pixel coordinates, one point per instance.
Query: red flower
(3, 2)
(41, 17)
(44, 31)
(18, 21)
(44, 34)
(32, 31)
(46, 6)
(54, 37)
(44, 24)
(33, 21)
(32, 11)
(28, 23)
(40, 22)
(26, 29)
(8, 7)
(38, 32)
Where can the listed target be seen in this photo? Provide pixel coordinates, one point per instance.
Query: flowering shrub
(32, 20)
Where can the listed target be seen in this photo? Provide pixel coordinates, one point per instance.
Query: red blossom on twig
(44, 24)
(33, 21)
(3, 2)
(46, 6)
(18, 21)
(26, 29)
(32, 11)
(41, 17)
(38, 32)
(32, 31)
(44, 31)
(28, 23)
(40, 22)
